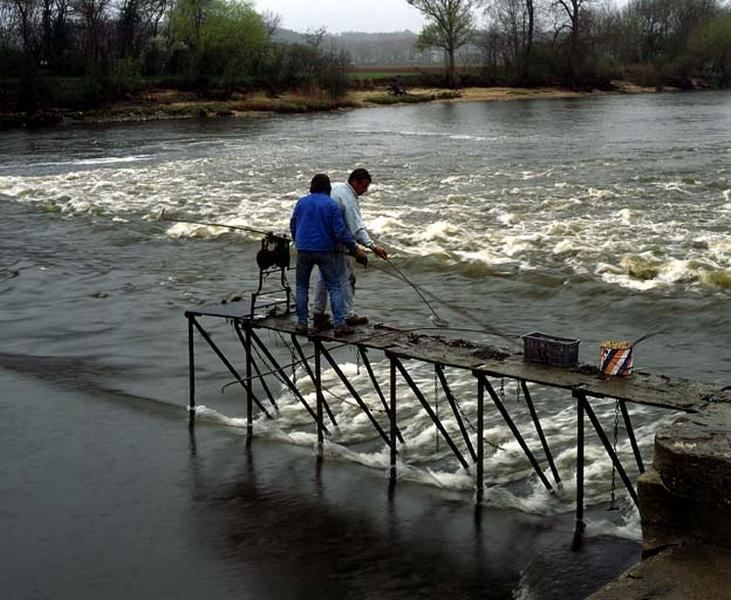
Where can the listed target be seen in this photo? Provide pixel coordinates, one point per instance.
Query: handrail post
(191, 370)
(392, 418)
(579, 523)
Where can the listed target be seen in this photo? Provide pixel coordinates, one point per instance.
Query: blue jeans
(347, 287)
(330, 271)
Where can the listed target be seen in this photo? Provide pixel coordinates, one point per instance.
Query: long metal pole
(249, 385)
(191, 370)
(579, 525)
(539, 430)
(318, 392)
(392, 419)
(631, 436)
(479, 483)
(514, 429)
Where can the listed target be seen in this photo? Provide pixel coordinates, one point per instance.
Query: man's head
(320, 184)
(359, 180)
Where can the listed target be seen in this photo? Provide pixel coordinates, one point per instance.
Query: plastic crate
(550, 350)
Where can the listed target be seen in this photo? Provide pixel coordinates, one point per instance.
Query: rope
(436, 319)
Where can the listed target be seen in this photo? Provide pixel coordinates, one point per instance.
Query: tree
(573, 12)
(272, 21)
(137, 24)
(516, 20)
(451, 25)
(314, 37)
(710, 46)
(95, 41)
(221, 38)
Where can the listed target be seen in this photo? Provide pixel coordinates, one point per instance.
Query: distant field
(384, 72)
(362, 73)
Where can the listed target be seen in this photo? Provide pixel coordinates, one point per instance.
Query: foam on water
(527, 218)
(425, 458)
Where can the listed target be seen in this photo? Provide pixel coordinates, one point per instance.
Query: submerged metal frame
(474, 456)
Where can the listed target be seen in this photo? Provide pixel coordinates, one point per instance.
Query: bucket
(616, 358)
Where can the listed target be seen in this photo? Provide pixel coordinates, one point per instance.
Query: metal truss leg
(374, 381)
(610, 450)
(392, 419)
(579, 525)
(318, 386)
(191, 371)
(539, 431)
(480, 463)
(455, 410)
(285, 378)
(246, 384)
(356, 396)
(247, 348)
(631, 436)
(513, 428)
(318, 392)
(249, 393)
(440, 427)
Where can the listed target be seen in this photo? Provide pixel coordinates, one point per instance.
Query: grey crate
(550, 349)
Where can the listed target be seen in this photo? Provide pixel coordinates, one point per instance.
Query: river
(598, 218)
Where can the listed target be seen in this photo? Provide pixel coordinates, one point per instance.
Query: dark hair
(360, 175)
(320, 184)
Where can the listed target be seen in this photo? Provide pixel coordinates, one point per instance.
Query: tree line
(83, 52)
(583, 41)
(80, 53)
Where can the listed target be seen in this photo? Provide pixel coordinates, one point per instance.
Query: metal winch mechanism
(273, 257)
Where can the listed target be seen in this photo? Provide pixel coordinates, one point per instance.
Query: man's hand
(380, 252)
(361, 257)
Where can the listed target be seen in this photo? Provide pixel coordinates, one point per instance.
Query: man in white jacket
(346, 195)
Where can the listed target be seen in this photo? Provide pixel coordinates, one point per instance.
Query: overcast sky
(344, 15)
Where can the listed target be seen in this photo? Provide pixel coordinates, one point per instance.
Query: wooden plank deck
(641, 388)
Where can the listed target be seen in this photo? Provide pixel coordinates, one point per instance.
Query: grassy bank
(176, 104)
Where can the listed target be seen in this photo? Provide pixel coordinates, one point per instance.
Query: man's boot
(321, 322)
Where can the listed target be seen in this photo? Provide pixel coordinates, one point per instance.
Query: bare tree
(451, 25)
(572, 11)
(516, 19)
(95, 38)
(314, 37)
(137, 24)
(272, 21)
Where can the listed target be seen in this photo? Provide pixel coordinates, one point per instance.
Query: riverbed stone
(690, 492)
(685, 505)
(684, 572)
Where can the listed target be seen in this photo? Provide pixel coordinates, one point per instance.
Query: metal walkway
(399, 347)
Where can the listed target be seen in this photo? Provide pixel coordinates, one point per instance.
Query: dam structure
(402, 349)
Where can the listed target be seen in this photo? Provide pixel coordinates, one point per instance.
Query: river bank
(162, 105)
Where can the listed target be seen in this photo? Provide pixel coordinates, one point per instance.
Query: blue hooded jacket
(317, 225)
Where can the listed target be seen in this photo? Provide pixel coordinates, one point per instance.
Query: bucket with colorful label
(616, 358)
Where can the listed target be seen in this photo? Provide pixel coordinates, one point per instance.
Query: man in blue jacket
(317, 227)
(346, 196)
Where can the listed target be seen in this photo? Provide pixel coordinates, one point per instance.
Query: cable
(163, 217)
(436, 319)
